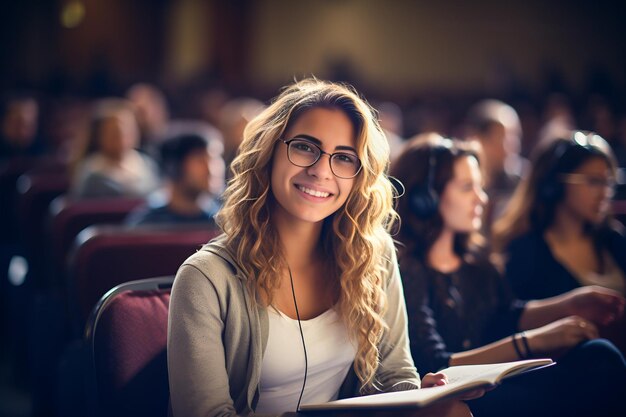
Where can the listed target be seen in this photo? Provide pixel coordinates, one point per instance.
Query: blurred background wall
(396, 48)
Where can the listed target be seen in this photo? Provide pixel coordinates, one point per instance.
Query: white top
(330, 354)
(135, 175)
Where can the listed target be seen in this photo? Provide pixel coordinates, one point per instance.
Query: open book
(460, 379)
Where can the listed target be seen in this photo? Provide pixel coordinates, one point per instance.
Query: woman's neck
(441, 255)
(300, 241)
(566, 225)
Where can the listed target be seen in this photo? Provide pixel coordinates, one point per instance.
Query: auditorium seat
(68, 217)
(126, 337)
(36, 190)
(10, 171)
(105, 256)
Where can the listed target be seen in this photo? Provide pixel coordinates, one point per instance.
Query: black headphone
(423, 199)
(552, 189)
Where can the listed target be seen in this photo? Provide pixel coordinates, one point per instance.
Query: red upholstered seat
(69, 217)
(106, 256)
(10, 171)
(127, 336)
(36, 190)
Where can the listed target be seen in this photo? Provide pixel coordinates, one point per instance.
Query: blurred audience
(497, 127)
(462, 312)
(194, 171)
(109, 164)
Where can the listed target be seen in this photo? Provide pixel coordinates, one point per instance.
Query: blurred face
(493, 143)
(20, 123)
(118, 134)
(501, 141)
(196, 173)
(202, 172)
(463, 198)
(314, 193)
(588, 191)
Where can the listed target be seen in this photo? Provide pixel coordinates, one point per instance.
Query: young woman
(461, 312)
(300, 299)
(558, 233)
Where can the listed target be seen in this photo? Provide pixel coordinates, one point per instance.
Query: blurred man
(194, 170)
(497, 127)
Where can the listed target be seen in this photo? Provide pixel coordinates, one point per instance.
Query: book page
(461, 379)
(491, 373)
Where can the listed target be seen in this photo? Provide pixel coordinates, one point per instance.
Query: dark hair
(175, 150)
(413, 169)
(533, 206)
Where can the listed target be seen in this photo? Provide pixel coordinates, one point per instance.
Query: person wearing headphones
(194, 170)
(558, 232)
(299, 300)
(462, 312)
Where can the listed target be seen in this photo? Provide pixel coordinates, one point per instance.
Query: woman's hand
(434, 380)
(561, 335)
(594, 303)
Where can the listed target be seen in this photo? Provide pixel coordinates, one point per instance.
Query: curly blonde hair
(356, 236)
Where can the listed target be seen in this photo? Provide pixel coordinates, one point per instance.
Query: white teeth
(313, 192)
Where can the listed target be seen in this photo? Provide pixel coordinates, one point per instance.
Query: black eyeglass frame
(319, 156)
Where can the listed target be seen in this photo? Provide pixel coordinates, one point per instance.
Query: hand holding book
(463, 381)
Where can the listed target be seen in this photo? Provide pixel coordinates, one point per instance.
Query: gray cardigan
(217, 334)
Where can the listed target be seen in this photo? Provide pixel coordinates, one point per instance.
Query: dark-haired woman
(461, 310)
(558, 233)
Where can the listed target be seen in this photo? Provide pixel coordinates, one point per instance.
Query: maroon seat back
(10, 171)
(127, 335)
(36, 190)
(106, 256)
(68, 217)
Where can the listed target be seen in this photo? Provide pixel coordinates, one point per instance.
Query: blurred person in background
(19, 124)
(193, 168)
(233, 118)
(558, 117)
(558, 233)
(497, 127)
(462, 312)
(152, 114)
(391, 121)
(109, 165)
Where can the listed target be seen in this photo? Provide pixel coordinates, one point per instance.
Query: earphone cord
(306, 365)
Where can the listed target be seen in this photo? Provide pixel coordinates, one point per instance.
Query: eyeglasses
(304, 153)
(597, 183)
